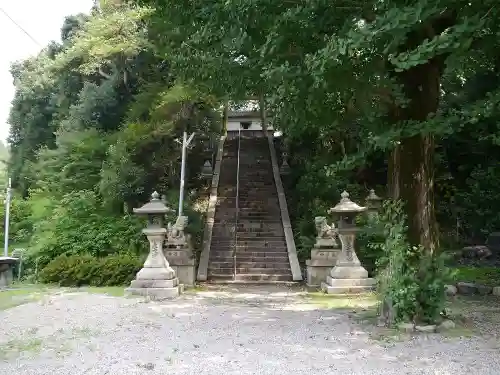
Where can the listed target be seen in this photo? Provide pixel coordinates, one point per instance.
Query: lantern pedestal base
(156, 280)
(348, 280)
(156, 294)
(156, 283)
(347, 286)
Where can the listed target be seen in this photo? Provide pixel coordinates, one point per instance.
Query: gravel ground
(211, 333)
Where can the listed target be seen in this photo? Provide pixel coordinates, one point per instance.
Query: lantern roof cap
(346, 205)
(373, 196)
(154, 206)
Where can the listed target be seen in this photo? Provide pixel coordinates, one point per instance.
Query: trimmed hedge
(78, 270)
(481, 275)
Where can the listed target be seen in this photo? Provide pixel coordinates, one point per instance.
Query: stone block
(345, 289)
(183, 264)
(156, 294)
(445, 325)
(426, 329)
(466, 288)
(406, 327)
(496, 291)
(154, 283)
(450, 290)
(327, 255)
(484, 289)
(185, 273)
(365, 282)
(320, 265)
(316, 274)
(476, 252)
(155, 274)
(326, 243)
(349, 272)
(493, 242)
(6, 266)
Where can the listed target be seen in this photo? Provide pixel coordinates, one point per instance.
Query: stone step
(268, 231)
(245, 221)
(248, 256)
(244, 210)
(229, 247)
(228, 258)
(251, 277)
(253, 265)
(225, 233)
(250, 271)
(248, 204)
(225, 218)
(265, 242)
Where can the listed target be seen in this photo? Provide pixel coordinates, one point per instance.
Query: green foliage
(367, 239)
(20, 224)
(94, 125)
(347, 82)
(410, 279)
(84, 269)
(78, 224)
(479, 201)
(481, 275)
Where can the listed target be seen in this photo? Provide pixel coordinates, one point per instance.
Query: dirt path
(221, 331)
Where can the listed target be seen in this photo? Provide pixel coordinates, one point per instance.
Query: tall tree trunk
(411, 164)
(225, 112)
(262, 110)
(393, 171)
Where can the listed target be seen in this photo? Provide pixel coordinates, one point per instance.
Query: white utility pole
(185, 144)
(7, 213)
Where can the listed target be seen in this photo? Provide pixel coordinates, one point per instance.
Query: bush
(411, 280)
(79, 224)
(371, 232)
(78, 270)
(482, 275)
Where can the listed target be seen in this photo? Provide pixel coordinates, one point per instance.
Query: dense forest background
(396, 97)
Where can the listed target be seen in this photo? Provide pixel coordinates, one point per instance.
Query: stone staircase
(261, 251)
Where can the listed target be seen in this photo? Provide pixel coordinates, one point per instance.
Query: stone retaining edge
(202, 274)
(469, 288)
(285, 217)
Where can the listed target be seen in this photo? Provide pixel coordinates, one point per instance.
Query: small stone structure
(348, 276)
(156, 279)
(373, 204)
(179, 251)
(6, 266)
(207, 170)
(493, 243)
(285, 167)
(324, 253)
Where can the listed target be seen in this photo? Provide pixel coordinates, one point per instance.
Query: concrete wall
(233, 124)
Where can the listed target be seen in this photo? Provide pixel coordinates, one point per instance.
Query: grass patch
(115, 291)
(474, 315)
(21, 294)
(195, 289)
(16, 347)
(482, 275)
(330, 301)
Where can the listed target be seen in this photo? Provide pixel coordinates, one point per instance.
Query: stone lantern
(373, 203)
(285, 167)
(156, 279)
(348, 275)
(207, 171)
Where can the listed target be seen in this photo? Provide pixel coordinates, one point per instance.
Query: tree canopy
(398, 96)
